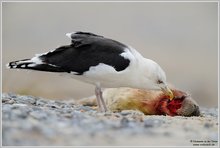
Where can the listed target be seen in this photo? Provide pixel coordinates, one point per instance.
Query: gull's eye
(159, 82)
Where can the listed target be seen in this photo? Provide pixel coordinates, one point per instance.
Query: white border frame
(86, 1)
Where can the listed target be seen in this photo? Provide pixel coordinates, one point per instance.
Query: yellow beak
(168, 92)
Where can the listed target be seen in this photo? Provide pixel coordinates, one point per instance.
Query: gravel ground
(34, 121)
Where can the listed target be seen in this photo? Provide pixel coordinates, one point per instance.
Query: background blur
(181, 37)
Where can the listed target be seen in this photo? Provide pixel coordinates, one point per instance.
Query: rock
(68, 115)
(39, 115)
(150, 123)
(41, 102)
(18, 105)
(25, 100)
(208, 125)
(5, 100)
(133, 114)
(124, 122)
(11, 102)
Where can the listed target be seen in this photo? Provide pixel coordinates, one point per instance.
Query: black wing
(87, 50)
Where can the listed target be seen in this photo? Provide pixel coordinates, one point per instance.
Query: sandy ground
(33, 121)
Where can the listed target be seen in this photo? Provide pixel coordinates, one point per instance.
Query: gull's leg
(100, 100)
(103, 102)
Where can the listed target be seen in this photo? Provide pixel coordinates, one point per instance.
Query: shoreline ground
(33, 121)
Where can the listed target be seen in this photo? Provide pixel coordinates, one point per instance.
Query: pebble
(11, 102)
(20, 113)
(84, 108)
(41, 102)
(17, 105)
(25, 100)
(52, 106)
(208, 125)
(124, 122)
(68, 115)
(5, 100)
(149, 123)
(39, 115)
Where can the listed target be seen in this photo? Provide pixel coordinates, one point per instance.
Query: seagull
(103, 62)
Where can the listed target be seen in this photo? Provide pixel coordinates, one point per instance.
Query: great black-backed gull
(100, 61)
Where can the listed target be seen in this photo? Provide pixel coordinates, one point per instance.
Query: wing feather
(85, 51)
